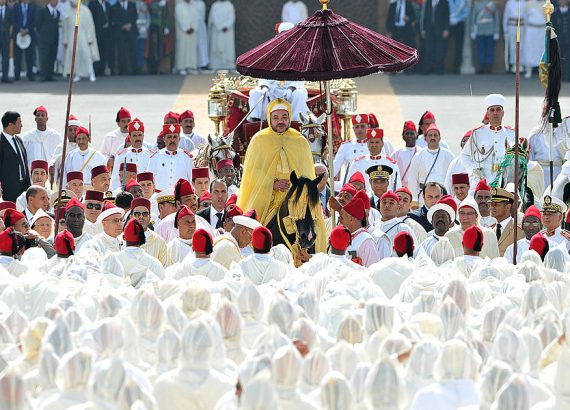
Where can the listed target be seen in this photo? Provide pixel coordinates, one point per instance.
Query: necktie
(24, 15)
(219, 223)
(498, 231)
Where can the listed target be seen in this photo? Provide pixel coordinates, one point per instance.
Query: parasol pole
(69, 93)
(517, 100)
(330, 141)
(548, 9)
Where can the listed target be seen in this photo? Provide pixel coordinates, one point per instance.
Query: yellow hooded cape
(272, 156)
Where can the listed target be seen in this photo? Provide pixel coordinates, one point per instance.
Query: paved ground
(457, 101)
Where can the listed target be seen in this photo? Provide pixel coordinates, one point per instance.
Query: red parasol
(326, 46)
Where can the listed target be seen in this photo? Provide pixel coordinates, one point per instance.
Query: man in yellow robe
(271, 156)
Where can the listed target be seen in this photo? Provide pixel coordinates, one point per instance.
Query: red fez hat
(355, 208)
(172, 115)
(428, 115)
(360, 119)
(233, 210)
(182, 188)
(373, 121)
(74, 202)
(252, 214)
(181, 213)
(7, 205)
(349, 188)
(374, 133)
(123, 113)
(98, 170)
(41, 108)
(136, 125)
(59, 213)
(482, 186)
(532, 211)
(409, 126)
(449, 201)
(145, 176)
(140, 202)
(460, 178)
(231, 200)
(224, 163)
(81, 130)
(200, 173)
(132, 183)
(206, 197)
(11, 217)
(39, 164)
(170, 129)
(404, 244)
(186, 114)
(539, 244)
(404, 190)
(93, 196)
(340, 238)
(261, 239)
(473, 238)
(131, 167)
(8, 241)
(389, 194)
(357, 177)
(73, 121)
(364, 198)
(108, 205)
(202, 241)
(134, 232)
(74, 175)
(64, 243)
(433, 127)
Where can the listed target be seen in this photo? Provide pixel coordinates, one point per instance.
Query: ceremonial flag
(551, 77)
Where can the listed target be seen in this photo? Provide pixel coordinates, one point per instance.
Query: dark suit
(205, 213)
(327, 195)
(420, 216)
(125, 41)
(102, 21)
(5, 24)
(433, 23)
(47, 27)
(407, 33)
(10, 166)
(18, 20)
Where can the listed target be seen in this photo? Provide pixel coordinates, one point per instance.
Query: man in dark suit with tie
(124, 23)
(24, 18)
(5, 24)
(14, 173)
(401, 22)
(101, 11)
(434, 30)
(214, 214)
(47, 27)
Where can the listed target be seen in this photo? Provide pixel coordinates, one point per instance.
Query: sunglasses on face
(96, 207)
(144, 214)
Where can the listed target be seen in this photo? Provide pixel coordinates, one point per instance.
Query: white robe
(186, 18)
(510, 18)
(294, 12)
(451, 395)
(222, 44)
(168, 168)
(533, 40)
(136, 264)
(260, 268)
(178, 249)
(200, 267)
(523, 246)
(87, 50)
(141, 159)
(421, 170)
(81, 240)
(226, 250)
(112, 142)
(92, 228)
(540, 151)
(203, 57)
(456, 167)
(41, 145)
(490, 245)
(277, 89)
(83, 161)
(403, 158)
(104, 243)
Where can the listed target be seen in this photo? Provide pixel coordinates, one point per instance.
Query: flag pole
(69, 93)
(517, 108)
(548, 9)
(330, 142)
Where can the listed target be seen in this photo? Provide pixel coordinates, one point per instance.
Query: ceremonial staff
(517, 107)
(69, 93)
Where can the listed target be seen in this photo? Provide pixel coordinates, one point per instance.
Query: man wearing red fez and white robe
(93, 202)
(354, 148)
(202, 264)
(226, 171)
(187, 123)
(403, 156)
(442, 216)
(426, 120)
(41, 142)
(101, 178)
(229, 247)
(472, 243)
(389, 223)
(531, 224)
(128, 175)
(456, 166)
(84, 158)
(181, 246)
(460, 186)
(483, 199)
(116, 138)
(75, 221)
(38, 176)
(75, 183)
(170, 163)
(111, 221)
(363, 247)
(154, 245)
(201, 180)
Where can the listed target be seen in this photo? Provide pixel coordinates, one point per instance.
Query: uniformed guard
(553, 211)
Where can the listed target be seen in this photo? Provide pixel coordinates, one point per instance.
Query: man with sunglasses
(93, 202)
(111, 221)
(531, 223)
(154, 245)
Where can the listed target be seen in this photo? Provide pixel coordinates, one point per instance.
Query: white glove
(287, 94)
(496, 36)
(473, 36)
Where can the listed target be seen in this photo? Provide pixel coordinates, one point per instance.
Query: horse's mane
(297, 191)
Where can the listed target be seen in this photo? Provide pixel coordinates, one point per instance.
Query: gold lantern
(347, 103)
(217, 104)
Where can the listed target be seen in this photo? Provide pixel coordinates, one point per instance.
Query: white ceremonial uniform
(92, 228)
(56, 159)
(559, 236)
(83, 161)
(203, 57)
(41, 145)
(363, 247)
(456, 167)
(81, 240)
(222, 43)
(226, 250)
(155, 246)
(429, 242)
(292, 91)
(535, 180)
(178, 249)
(490, 245)
(165, 228)
(393, 227)
(200, 267)
(186, 18)
(140, 157)
(421, 142)
(484, 152)
(403, 158)
(260, 268)
(540, 151)
(510, 22)
(348, 152)
(168, 167)
(294, 12)
(363, 163)
(196, 139)
(428, 165)
(113, 141)
(104, 243)
(533, 40)
(523, 246)
(382, 240)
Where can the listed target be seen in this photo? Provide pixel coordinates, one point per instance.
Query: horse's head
(221, 147)
(311, 126)
(303, 198)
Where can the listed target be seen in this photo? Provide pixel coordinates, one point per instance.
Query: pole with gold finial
(69, 93)
(325, 4)
(548, 9)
